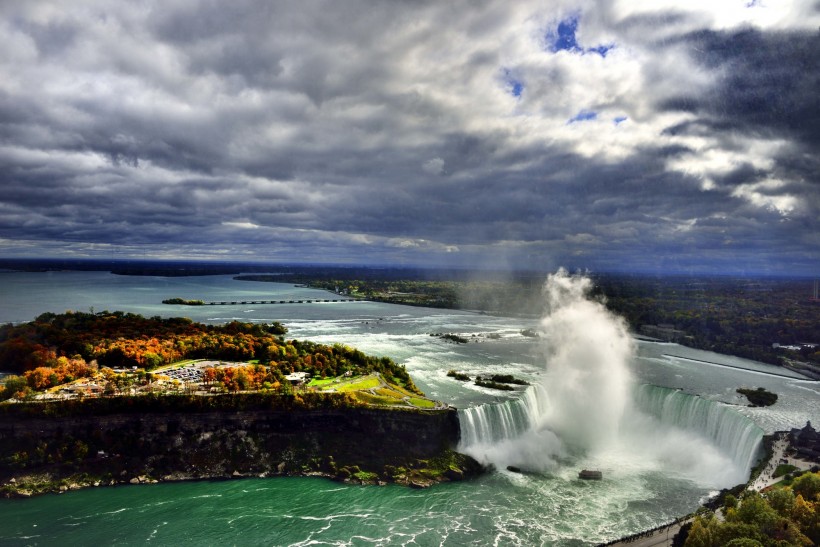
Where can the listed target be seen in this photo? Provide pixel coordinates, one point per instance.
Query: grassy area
(421, 403)
(370, 390)
(370, 399)
(392, 393)
(321, 382)
(404, 391)
(367, 382)
(783, 469)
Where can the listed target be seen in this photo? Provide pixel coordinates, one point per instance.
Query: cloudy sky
(610, 135)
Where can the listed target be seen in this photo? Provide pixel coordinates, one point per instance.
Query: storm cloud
(605, 135)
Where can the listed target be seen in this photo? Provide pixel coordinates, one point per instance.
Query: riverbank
(449, 467)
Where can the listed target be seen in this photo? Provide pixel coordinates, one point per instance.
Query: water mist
(583, 394)
(588, 352)
(586, 410)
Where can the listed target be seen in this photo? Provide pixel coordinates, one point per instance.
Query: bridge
(303, 301)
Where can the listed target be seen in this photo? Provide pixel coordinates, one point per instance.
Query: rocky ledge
(40, 454)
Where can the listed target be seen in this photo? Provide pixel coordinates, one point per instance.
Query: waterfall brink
(496, 422)
(731, 432)
(512, 432)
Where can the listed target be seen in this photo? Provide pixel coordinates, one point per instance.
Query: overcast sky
(611, 135)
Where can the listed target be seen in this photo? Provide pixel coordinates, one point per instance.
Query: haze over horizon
(609, 135)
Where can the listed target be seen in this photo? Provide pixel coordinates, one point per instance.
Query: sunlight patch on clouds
(244, 225)
(712, 158)
(582, 239)
(434, 166)
(763, 194)
(728, 14)
(421, 244)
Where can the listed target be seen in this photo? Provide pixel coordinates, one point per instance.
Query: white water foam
(588, 409)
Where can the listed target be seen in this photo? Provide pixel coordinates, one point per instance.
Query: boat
(590, 475)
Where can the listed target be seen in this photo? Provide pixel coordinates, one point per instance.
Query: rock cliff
(41, 453)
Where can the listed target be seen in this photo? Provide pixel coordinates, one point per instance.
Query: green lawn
(783, 469)
(367, 398)
(388, 392)
(321, 382)
(421, 403)
(368, 382)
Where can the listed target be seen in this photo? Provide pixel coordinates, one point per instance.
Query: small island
(495, 381)
(183, 302)
(759, 396)
(112, 397)
(450, 337)
(460, 376)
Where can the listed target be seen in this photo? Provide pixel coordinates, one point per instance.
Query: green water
(497, 509)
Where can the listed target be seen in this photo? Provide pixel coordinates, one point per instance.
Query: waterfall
(731, 432)
(587, 405)
(493, 423)
(505, 433)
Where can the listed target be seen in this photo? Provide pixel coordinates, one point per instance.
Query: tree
(15, 386)
(755, 511)
(808, 486)
(699, 533)
(744, 542)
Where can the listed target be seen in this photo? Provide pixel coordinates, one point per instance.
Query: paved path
(765, 479)
(662, 536)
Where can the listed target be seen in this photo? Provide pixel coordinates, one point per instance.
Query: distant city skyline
(610, 136)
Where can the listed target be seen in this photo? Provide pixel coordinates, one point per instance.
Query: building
(806, 442)
(297, 378)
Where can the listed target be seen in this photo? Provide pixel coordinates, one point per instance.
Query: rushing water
(676, 449)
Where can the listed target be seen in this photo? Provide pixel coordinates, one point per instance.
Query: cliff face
(335, 442)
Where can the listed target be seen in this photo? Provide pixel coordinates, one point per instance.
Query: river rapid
(661, 462)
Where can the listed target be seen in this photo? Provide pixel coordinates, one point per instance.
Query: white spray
(588, 353)
(584, 405)
(583, 394)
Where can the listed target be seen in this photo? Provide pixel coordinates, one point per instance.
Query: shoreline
(23, 489)
(766, 373)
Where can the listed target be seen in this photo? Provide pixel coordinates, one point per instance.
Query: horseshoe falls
(675, 431)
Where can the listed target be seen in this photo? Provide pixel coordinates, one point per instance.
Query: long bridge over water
(302, 301)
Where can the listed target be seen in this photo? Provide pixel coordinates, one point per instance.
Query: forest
(55, 349)
(786, 514)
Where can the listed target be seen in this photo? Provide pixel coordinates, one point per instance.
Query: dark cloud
(768, 82)
(394, 132)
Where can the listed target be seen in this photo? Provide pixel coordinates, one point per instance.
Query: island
(183, 302)
(759, 396)
(111, 397)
